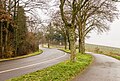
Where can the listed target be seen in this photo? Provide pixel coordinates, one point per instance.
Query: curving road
(104, 68)
(13, 68)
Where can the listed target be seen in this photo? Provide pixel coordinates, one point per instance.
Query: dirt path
(104, 68)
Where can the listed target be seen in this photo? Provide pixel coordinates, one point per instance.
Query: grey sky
(111, 38)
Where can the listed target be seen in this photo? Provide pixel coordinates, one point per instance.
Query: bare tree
(60, 26)
(70, 25)
(94, 15)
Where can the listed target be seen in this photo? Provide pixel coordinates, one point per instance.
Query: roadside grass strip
(63, 71)
(106, 50)
(114, 56)
(24, 56)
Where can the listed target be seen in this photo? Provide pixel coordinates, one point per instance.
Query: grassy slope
(110, 51)
(63, 71)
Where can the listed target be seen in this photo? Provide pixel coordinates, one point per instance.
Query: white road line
(31, 64)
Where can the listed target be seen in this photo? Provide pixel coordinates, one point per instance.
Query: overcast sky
(111, 38)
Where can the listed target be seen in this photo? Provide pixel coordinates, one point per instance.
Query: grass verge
(24, 56)
(114, 56)
(106, 50)
(63, 71)
(65, 50)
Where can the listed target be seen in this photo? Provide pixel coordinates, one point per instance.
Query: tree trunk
(9, 7)
(80, 31)
(6, 37)
(16, 42)
(15, 5)
(81, 46)
(65, 41)
(68, 38)
(5, 5)
(48, 43)
(1, 40)
(81, 42)
(72, 43)
(42, 42)
(83, 37)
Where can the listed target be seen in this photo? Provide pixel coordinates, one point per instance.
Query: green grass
(24, 56)
(105, 49)
(109, 51)
(65, 50)
(114, 56)
(63, 71)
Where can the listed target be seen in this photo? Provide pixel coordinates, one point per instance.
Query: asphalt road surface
(14, 68)
(104, 68)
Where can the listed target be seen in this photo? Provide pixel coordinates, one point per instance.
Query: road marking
(32, 64)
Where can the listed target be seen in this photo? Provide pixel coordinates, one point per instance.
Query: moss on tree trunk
(72, 43)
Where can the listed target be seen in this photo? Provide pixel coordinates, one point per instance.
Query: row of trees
(8, 29)
(74, 20)
(15, 38)
(85, 16)
(77, 18)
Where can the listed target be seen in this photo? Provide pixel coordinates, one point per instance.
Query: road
(104, 68)
(14, 68)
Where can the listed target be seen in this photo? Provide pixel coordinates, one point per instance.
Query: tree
(6, 32)
(49, 34)
(21, 31)
(70, 26)
(94, 15)
(73, 6)
(13, 30)
(60, 27)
